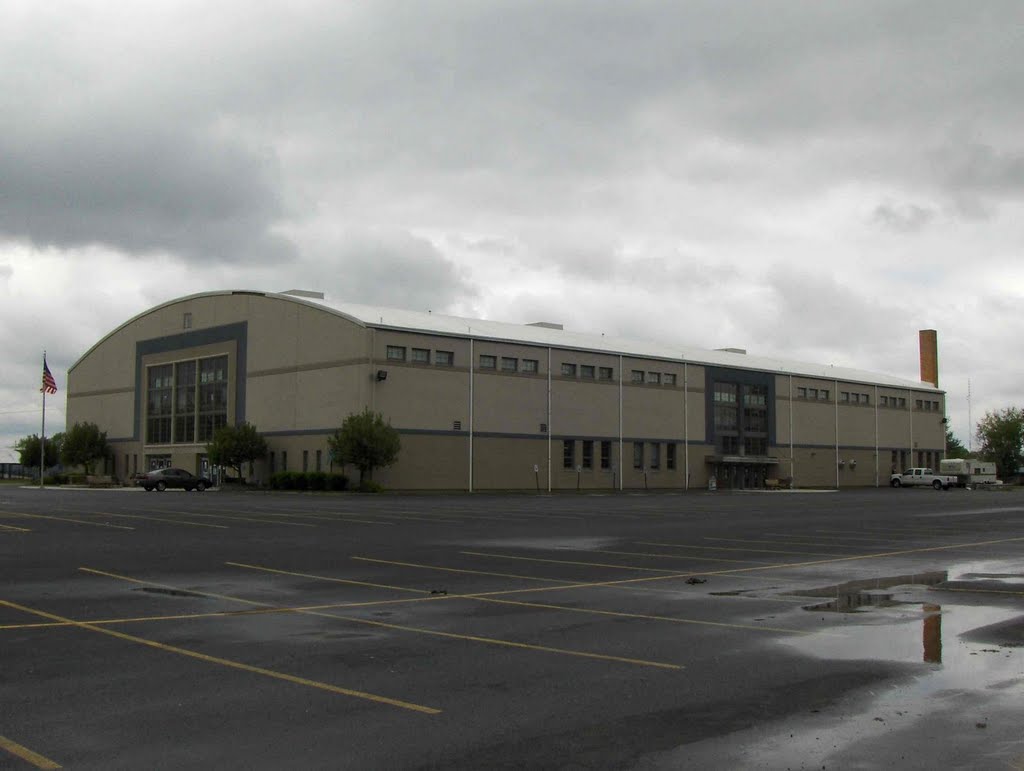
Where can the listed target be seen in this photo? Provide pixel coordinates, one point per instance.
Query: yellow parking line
(461, 570)
(566, 562)
(162, 519)
(322, 578)
(737, 548)
(244, 519)
(777, 542)
(674, 556)
(26, 754)
(591, 611)
(14, 529)
(228, 662)
(68, 519)
(779, 566)
(417, 630)
(318, 517)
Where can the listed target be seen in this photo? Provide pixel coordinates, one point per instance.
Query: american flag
(49, 384)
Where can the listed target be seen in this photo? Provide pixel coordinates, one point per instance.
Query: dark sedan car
(163, 478)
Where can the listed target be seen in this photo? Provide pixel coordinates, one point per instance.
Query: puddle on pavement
(852, 596)
(970, 658)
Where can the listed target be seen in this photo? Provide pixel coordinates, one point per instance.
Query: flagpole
(42, 436)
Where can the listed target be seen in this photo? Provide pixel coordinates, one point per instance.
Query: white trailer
(969, 471)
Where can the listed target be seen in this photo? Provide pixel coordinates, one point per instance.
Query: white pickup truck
(915, 477)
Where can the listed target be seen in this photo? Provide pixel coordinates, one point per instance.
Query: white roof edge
(382, 317)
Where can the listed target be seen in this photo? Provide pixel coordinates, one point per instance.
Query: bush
(56, 479)
(283, 480)
(313, 480)
(76, 479)
(369, 486)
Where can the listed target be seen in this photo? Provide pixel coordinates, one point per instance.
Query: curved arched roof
(381, 317)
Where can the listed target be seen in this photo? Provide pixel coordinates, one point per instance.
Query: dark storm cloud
(140, 189)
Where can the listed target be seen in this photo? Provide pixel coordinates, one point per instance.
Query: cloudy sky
(815, 181)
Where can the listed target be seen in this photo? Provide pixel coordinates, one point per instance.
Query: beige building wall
(306, 368)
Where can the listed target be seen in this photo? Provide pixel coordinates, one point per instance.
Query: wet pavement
(869, 629)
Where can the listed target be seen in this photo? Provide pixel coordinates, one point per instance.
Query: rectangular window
(636, 376)
(725, 393)
(655, 455)
(305, 461)
(605, 373)
(159, 404)
(606, 455)
(917, 404)
(844, 396)
(509, 364)
(670, 456)
(444, 358)
(529, 365)
(284, 460)
(588, 454)
(753, 445)
(273, 464)
(185, 402)
(186, 321)
(865, 398)
(420, 355)
(638, 455)
(213, 396)
(319, 460)
(812, 393)
(587, 371)
(901, 402)
(396, 353)
(726, 417)
(568, 370)
(654, 378)
(668, 379)
(569, 453)
(487, 361)
(823, 394)
(883, 401)
(801, 392)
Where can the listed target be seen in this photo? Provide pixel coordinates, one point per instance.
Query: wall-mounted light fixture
(382, 374)
(842, 463)
(853, 463)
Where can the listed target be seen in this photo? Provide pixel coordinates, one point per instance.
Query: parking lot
(257, 630)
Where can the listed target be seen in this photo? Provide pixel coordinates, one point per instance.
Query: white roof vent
(305, 293)
(732, 350)
(546, 325)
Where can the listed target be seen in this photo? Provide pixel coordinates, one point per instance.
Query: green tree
(28, 450)
(954, 447)
(83, 445)
(234, 446)
(367, 442)
(1001, 435)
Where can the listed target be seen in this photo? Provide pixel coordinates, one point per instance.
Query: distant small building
(486, 405)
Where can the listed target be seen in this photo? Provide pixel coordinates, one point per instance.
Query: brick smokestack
(929, 343)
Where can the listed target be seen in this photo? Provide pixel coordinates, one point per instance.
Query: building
(484, 405)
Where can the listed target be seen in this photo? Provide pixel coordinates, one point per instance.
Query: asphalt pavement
(855, 629)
